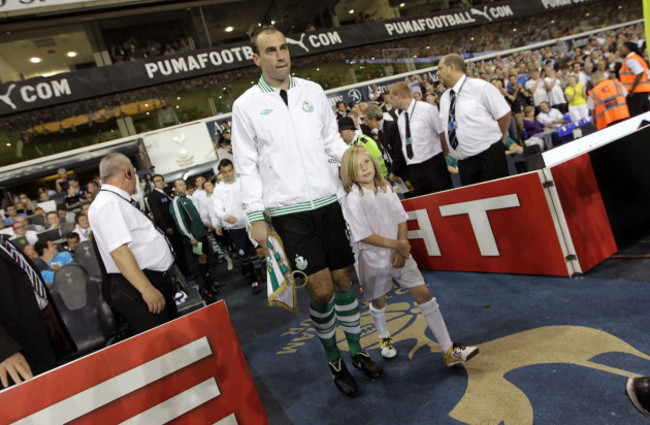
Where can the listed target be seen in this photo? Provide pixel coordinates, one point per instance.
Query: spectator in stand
(73, 242)
(74, 193)
(550, 117)
(20, 231)
(576, 94)
(30, 252)
(601, 73)
(52, 258)
(82, 227)
(340, 111)
(53, 220)
(517, 97)
(577, 70)
(61, 183)
(555, 90)
(535, 85)
(93, 188)
(532, 126)
(11, 212)
(43, 196)
(28, 206)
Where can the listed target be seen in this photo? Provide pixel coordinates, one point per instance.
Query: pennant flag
(281, 286)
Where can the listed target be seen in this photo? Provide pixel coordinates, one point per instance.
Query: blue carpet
(553, 351)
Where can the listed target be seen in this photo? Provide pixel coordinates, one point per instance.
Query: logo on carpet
(487, 386)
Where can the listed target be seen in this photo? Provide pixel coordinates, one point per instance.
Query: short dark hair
(224, 163)
(73, 235)
(257, 32)
(157, 175)
(339, 102)
(78, 216)
(61, 207)
(40, 247)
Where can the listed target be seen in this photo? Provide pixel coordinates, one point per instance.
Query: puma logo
(483, 13)
(5, 98)
(298, 43)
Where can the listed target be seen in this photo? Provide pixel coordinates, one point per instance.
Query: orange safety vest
(627, 77)
(609, 102)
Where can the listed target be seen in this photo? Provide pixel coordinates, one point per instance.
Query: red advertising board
(188, 371)
(501, 226)
(584, 211)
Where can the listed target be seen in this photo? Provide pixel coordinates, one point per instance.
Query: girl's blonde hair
(351, 159)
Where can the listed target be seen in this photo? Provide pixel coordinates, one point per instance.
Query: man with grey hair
(136, 256)
(386, 133)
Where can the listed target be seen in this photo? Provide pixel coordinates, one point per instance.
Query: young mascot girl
(378, 229)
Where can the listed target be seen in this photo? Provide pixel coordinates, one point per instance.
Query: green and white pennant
(281, 286)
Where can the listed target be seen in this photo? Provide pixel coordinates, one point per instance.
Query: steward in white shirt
(136, 256)
(424, 144)
(477, 119)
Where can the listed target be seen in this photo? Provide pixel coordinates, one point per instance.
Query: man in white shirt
(550, 117)
(136, 256)
(536, 86)
(477, 119)
(20, 231)
(424, 145)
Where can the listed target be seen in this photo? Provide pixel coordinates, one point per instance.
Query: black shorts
(241, 241)
(315, 240)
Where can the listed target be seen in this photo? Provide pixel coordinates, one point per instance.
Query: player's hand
(154, 299)
(398, 261)
(403, 248)
(195, 241)
(218, 231)
(17, 367)
(231, 219)
(260, 233)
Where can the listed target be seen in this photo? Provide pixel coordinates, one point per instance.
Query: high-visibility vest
(370, 144)
(609, 103)
(627, 77)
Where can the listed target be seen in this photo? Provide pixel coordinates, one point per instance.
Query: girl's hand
(398, 261)
(403, 248)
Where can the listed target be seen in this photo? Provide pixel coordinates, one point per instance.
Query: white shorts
(376, 274)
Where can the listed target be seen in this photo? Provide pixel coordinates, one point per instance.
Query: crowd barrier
(192, 367)
(590, 199)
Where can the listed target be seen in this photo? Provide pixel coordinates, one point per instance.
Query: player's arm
(246, 163)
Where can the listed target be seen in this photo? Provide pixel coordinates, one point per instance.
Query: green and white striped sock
(347, 314)
(324, 319)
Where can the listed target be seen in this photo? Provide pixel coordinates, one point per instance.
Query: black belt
(156, 273)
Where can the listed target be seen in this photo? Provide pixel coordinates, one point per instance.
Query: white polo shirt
(478, 107)
(424, 121)
(115, 222)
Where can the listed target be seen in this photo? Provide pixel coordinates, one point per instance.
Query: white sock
(432, 315)
(379, 318)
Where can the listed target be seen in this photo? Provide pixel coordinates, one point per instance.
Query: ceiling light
(402, 4)
(35, 60)
(229, 29)
(71, 54)
(273, 22)
(351, 11)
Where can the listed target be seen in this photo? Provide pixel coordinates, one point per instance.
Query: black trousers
(487, 165)
(638, 103)
(430, 176)
(128, 302)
